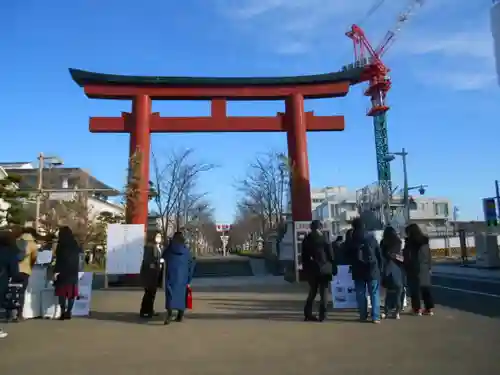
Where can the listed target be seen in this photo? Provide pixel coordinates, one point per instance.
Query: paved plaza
(253, 329)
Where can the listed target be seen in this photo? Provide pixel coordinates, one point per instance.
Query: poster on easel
(125, 248)
(49, 302)
(343, 290)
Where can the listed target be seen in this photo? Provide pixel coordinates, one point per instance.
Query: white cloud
(281, 22)
(458, 80)
(299, 27)
(464, 44)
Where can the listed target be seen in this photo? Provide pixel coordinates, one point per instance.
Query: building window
(334, 210)
(413, 206)
(441, 209)
(317, 200)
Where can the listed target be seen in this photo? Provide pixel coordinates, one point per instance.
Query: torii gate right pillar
(297, 153)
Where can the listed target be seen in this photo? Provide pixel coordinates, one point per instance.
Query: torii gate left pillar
(140, 146)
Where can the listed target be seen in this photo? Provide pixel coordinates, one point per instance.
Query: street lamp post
(406, 188)
(54, 160)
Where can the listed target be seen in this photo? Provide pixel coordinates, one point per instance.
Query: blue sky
(444, 98)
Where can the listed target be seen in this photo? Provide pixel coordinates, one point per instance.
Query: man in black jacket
(318, 267)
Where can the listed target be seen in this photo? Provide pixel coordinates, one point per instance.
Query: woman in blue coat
(179, 271)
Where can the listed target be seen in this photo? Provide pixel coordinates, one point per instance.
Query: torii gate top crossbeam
(111, 86)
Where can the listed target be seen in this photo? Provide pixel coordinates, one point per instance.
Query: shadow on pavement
(274, 310)
(121, 317)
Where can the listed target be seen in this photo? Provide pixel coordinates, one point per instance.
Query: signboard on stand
(343, 292)
(49, 304)
(125, 248)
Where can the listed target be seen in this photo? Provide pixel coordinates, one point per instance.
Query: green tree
(14, 213)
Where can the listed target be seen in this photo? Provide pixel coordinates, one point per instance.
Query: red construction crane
(377, 74)
(375, 71)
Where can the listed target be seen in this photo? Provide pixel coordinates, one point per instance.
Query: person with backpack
(366, 265)
(319, 268)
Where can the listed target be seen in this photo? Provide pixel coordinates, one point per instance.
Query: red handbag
(189, 297)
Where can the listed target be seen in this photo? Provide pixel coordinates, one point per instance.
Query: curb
(466, 277)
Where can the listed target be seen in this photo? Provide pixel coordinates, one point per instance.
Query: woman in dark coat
(393, 273)
(66, 271)
(179, 271)
(150, 275)
(9, 266)
(417, 262)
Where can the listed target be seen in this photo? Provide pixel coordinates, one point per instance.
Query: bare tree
(175, 183)
(246, 227)
(264, 189)
(71, 210)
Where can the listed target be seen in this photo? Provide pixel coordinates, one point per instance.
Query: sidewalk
(249, 331)
(465, 272)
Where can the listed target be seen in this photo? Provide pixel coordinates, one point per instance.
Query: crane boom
(403, 17)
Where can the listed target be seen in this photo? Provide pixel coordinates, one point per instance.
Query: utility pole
(406, 195)
(41, 163)
(497, 193)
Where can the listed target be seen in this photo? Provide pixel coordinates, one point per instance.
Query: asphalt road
(478, 296)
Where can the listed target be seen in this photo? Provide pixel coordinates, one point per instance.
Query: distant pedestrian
(319, 268)
(417, 261)
(66, 271)
(179, 271)
(366, 262)
(393, 273)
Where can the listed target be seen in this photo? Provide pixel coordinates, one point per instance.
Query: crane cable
(371, 11)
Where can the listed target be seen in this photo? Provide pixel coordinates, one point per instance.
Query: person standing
(66, 271)
(150, 274)
(318, 267)
(393, 274)
(366, 263)
(179, 271)
(28, 251)
(9, 266)
(338, 251)
(417, 262)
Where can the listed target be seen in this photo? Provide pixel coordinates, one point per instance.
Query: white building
(67, 178)
(341, 207)
(318, 196)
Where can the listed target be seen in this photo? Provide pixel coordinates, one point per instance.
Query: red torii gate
(141, 122)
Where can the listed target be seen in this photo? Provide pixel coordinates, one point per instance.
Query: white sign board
(125, 249)
(50, 305)
(343, 292)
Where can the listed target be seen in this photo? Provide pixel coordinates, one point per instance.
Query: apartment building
(339, 207)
